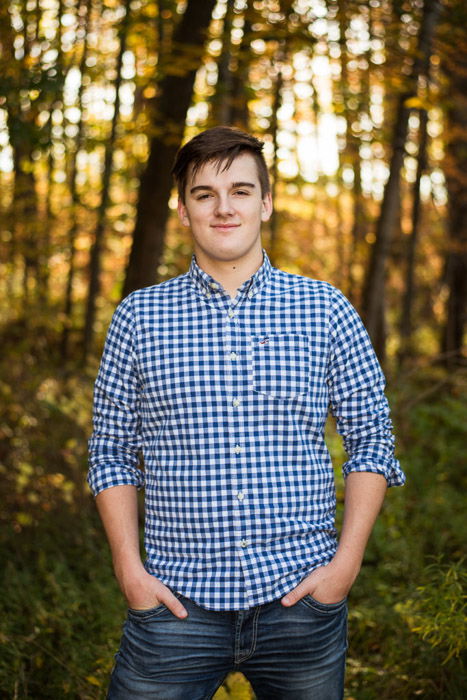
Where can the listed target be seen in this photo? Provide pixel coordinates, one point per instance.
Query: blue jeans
(295, 653)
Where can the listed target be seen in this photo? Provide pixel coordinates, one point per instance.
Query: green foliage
(437, 611)
(58, 610)
(406, 611)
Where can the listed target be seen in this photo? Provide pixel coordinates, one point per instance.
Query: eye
(200, 197)
(242, 192)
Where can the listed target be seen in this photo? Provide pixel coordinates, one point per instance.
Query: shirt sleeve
(116, 439)
(357, 400)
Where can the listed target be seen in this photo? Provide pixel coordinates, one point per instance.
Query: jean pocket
(148, 613)
(280, 364)
(323, 608)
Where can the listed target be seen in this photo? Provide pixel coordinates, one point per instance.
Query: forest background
(363, 110)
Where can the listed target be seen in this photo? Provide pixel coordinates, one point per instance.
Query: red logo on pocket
(264, 341)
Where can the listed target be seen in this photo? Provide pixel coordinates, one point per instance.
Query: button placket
(233, 444)
(238, 447)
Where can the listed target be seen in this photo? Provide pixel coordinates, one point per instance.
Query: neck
(230, 274)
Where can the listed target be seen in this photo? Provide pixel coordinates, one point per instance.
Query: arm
(364, 495)
(118, 509)
(114, 473)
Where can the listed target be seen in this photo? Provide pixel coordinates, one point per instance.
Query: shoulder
(304, 286)
(150, 298)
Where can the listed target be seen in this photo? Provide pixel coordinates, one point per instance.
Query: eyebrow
(234, 185)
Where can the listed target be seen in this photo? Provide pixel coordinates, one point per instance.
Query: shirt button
(235, 403)
(231, 313)
(233, 355)
(237, 449)
(214, 285)
(251, 295)
(244, 543)
(240, 495)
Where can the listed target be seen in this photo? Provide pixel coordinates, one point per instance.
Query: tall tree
(374, 292)
(221, 103)
(84, 17)
(176, 89)
(406, 324)
(455, 168)
(20, 75)
(98, 242)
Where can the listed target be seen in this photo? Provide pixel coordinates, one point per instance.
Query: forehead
(242, 168)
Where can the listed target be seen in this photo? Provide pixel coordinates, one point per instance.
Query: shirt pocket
(280, 365)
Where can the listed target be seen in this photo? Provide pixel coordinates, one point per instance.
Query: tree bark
(375, 283)
(221, 103)
(407, 304)
(97, 246)
(240, 114)
(176, 90)
(84, 24)
(455, 168)
(274, 130)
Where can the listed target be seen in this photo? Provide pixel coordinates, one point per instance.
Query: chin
(228, 255)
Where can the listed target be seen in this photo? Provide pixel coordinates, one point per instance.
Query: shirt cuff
(391, 471)
(101, 478)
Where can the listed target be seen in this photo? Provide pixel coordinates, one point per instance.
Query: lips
(225, 227)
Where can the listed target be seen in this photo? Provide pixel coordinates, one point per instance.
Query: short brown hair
(221, 145)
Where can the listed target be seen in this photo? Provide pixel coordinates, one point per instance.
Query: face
(225, 209)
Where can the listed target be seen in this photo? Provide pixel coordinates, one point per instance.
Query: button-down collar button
(237, 449)
(233, 355)
(244, 543)
(208, 294)
(231, 313)
(235, 403)
(240, 495)
(251, 295)
(214, 285)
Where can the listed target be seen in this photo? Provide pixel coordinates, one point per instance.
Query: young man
(223, 378)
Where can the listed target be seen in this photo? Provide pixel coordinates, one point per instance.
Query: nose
(224, 205)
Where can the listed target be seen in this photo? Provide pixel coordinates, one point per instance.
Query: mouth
(224, 227)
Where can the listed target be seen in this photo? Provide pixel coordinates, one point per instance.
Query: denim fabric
(295, 653)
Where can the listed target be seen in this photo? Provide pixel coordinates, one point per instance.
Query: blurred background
(362, 107)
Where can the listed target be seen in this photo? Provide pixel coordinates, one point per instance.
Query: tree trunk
(97, 247)
(168, 125)
(84, 22)
(48, 219)
(376, 275)
(407, 304)
(25, 212)
(240, 115)
(274, 130)
(455, 66)
(221, 104)
(21, 122)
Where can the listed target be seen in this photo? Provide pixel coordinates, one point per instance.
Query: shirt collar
(208, 285)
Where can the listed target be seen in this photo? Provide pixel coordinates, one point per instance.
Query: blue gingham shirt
(227, 401)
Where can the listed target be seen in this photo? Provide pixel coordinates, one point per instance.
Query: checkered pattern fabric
(227, 401)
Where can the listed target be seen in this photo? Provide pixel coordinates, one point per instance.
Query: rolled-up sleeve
(115, 443)
(357, 400)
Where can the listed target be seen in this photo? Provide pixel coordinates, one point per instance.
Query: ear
(266, 207)
(182, 213)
